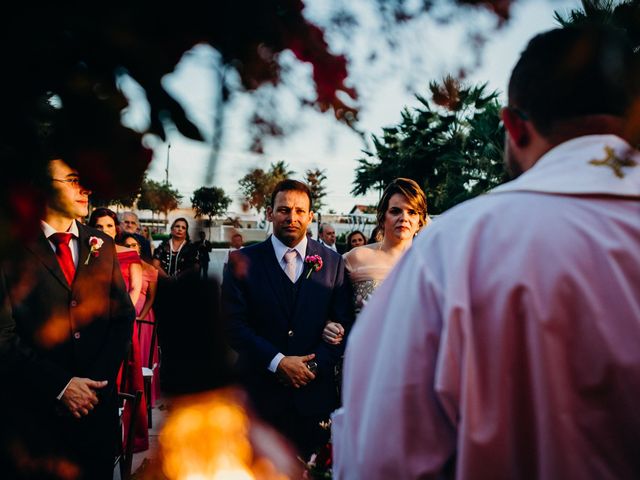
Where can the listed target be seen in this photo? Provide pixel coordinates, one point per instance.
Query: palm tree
(623, 15)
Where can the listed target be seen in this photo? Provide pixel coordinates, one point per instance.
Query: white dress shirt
(330, 247)
(280, 249)
(513, 326)
(48, 230)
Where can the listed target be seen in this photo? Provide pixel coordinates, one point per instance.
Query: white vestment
(506, 343)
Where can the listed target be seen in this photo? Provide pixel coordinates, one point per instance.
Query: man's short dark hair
(574, 72)
(289, 185)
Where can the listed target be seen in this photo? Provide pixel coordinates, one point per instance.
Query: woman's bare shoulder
(361, 255)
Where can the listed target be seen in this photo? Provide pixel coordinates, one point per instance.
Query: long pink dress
(145, 333)
(134, 380)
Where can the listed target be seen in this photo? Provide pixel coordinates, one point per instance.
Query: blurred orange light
(207, 437)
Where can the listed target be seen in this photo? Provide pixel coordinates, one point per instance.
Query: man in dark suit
(204, 247)
(277, 305)
(327, 236)
(65, 323)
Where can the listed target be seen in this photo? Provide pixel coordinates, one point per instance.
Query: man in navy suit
(276, 305)
(65, 323)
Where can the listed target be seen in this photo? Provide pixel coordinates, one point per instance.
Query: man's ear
(270, 214)
(516, 126)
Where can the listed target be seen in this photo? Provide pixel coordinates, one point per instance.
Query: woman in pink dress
(145, 317)
(130, 265)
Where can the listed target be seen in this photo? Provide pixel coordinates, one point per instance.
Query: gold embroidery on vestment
(614, 162)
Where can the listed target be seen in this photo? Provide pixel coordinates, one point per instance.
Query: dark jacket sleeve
(235, 310)
(340, 311)
(20, 366)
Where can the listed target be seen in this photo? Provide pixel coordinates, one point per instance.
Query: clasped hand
(294, 371)
(80, 395)
(333, 333)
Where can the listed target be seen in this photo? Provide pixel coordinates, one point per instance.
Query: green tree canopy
(316, 178)
(158, 197)
(452, 146)
(210, 202)
(624, 15)
(257, 185)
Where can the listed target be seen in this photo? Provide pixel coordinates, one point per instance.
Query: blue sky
(316, 139)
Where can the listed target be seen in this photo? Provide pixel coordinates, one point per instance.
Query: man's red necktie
(63, 252)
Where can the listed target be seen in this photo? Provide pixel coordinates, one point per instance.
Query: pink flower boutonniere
(95, 243)
(314, 262)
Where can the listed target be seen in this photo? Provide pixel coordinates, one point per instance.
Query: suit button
(74, 303)
(291, 333)
(76, 335)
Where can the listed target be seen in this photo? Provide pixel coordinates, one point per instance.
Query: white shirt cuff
(63, 390)
(273, 366)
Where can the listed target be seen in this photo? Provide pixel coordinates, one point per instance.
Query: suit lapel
(83, 252)
(306, 285)
(273, 272)
(42, 249)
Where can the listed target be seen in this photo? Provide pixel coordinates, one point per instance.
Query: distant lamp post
(166, 171)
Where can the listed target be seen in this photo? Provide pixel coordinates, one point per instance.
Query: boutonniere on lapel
(95, 244)
(314, 262)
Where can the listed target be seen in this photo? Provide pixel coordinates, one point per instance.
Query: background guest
(145, 231)
(130, 265)
(204, 247)
(176, 256)
(176, 260)
(131, 224)
(106, 220)
(375, 236)
(237, 242)
(327, 236)
(145, 315)
(355, 239)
